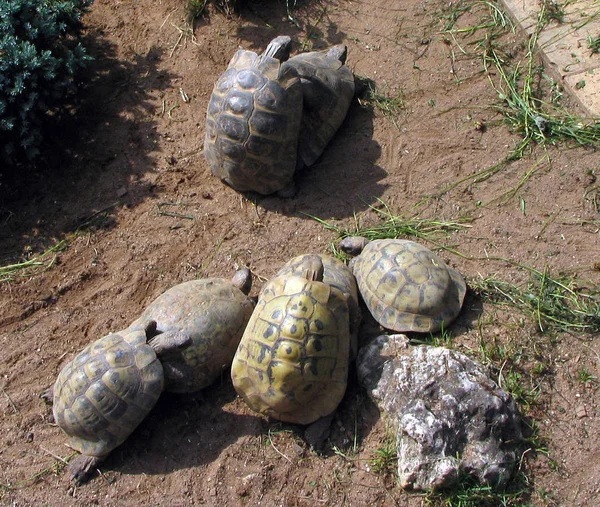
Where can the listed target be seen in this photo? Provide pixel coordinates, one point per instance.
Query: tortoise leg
(287, 191)
(316, 433)
(82, 467)
(48, 395)
(169, 342)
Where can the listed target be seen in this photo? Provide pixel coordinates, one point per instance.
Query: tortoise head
(338, 52)
(243, 280)
(353, 245)
(312, 268)
(279, 48)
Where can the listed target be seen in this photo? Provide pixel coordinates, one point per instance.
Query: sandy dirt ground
(127, 187)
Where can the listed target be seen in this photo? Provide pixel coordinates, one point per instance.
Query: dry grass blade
(46, 259)
(40, 262)
(55, 468)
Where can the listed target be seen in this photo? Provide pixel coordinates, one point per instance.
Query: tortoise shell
(338, 275)
(253, 120)
(106, 391)
(406, 286)
(327, 90)
(213, 312)
(292, 362)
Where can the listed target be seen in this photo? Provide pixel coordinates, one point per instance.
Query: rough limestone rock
(451, 418)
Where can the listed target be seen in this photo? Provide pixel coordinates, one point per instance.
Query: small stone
(206, 195)
(29, 437)
(297, 449)
(581, 412)
(245, 484)
(121, 192)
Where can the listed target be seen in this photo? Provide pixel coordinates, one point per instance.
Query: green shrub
(40, 57)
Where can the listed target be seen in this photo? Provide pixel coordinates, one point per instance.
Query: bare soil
(127, 173)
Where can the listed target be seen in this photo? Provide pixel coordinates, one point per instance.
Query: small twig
(184, 96)
(56, 456)
(103, 476)
(14, 407)
(176, 44)
(278, 451)
(171, 213)
(175, 215)
(169, 113)
(166, 19)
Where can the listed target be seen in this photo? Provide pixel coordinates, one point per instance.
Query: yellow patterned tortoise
(338, 275)
(405, 286)
(106, 391)
(253, 121)
(292, 362)
(212, 313)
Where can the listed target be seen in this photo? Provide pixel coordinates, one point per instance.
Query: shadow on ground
(184, 431)
(94, 152)
(345, 180)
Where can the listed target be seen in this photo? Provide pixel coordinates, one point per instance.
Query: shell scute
(239, 103)
(250, 79)
(111, 406)
(261, 147)
(236, 130)
(269, 124)
(271, 97)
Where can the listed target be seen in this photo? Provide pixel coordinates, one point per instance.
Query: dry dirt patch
(130, 177)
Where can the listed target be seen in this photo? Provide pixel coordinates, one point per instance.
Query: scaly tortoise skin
(253, 121)
(405, 286)
(327, 90)
(292, 362)
(212, 313)
(105, 392)
(338, 275)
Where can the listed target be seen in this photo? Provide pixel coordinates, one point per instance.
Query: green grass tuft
(593, 44)
(470, 493)
(388, 105)
(555, 303)
(394, 226)
(530, 102)
(195, 9)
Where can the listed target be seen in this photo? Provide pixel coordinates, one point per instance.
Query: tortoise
(292, 362)
(212, 313)
(405, 286)
(105, 392)
(253, 121)
(327, 89)
(338, 275)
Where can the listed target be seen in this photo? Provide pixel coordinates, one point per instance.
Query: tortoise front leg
(48, 395)
(82, 467)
